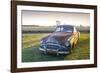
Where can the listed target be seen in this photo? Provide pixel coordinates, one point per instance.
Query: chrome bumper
(59, 52)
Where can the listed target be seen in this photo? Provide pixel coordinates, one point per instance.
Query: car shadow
(33, 54)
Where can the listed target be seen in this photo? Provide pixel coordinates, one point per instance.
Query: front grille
(52, 46)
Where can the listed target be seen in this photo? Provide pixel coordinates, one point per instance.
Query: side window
(75, 30)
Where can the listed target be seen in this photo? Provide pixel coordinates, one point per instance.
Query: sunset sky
(44, 18)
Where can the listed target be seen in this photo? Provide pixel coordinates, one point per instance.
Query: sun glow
(44, 18)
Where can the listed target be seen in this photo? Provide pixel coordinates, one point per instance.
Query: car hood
(60, 37)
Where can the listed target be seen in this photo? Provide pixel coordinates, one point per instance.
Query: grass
(29, 40)
(31, 53)
(82, 49)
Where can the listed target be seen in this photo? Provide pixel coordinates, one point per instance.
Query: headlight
(41, 41)
(67, 43)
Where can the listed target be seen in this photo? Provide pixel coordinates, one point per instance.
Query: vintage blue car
(60, 41)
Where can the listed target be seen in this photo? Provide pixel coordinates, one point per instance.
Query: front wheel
(45, 52)
(69, 49)
(57, 52)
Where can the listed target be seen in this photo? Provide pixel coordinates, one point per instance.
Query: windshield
(64, 29)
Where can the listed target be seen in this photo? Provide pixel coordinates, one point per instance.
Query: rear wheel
(73, 45)
(78, 38)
